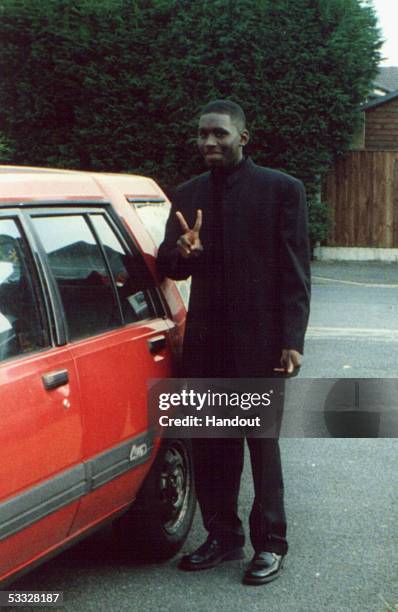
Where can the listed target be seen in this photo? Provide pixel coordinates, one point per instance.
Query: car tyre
(159, 521)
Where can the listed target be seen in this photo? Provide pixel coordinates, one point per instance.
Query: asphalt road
(341, 494)
(353, 328)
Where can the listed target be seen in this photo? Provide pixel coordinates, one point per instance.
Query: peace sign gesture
(189, 244)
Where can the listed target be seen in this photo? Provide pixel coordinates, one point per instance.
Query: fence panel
(362, 194)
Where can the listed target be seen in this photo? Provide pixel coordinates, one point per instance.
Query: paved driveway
(341, 494)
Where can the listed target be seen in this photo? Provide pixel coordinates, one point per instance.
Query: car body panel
(75, 455)
(41, 436)
(111, 422)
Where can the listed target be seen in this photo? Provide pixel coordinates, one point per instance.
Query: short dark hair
(227, 107)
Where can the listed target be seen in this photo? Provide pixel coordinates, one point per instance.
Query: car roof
(25, 183)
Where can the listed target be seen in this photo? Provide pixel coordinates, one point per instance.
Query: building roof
(387, 79)
(379, 101)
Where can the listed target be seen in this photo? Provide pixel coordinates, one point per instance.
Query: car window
(128, 271)
(81, 274)
(154, 217)
(21, 326)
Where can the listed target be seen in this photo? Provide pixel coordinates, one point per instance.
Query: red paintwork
(39, 435)
(38, 438)
(110, 417)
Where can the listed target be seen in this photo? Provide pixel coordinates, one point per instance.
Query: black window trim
(54, 309)
(130, 244)
(134, 252)
(60, 321)
(54, 298)
(87, 218)
(37, 278)
(92, 206)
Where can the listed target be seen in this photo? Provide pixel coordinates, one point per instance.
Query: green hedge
(117, 84)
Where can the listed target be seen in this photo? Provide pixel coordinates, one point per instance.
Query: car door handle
(157, 343)
(52, 380)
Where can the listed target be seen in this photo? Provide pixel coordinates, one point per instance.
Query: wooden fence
(362, 194)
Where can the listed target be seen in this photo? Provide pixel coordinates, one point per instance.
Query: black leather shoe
(264, 567)
(210, 554)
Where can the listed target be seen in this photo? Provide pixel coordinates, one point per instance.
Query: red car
(84, 323)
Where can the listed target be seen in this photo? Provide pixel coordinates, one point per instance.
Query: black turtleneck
(219, 177)
(217, 295)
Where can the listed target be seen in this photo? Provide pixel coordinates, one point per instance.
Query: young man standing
(240, 231)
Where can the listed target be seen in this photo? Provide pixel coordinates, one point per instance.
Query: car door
(119, 338)
(41, 431)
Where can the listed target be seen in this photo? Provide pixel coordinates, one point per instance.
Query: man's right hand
(189, 244)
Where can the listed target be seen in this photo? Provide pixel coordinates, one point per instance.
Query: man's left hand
(290, 361)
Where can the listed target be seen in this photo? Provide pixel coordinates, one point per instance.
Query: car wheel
(158, 523)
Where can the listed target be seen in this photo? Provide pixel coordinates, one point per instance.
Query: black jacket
(266, 265)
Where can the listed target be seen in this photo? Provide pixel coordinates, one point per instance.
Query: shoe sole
(234, 555)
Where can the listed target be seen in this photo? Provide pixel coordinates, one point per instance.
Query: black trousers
(218, 467)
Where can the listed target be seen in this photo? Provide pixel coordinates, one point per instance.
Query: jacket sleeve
(169, 261)
(295, 266)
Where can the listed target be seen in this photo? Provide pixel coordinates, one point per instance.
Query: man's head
(222, 134)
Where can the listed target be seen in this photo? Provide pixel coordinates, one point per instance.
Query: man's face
(220, 141)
